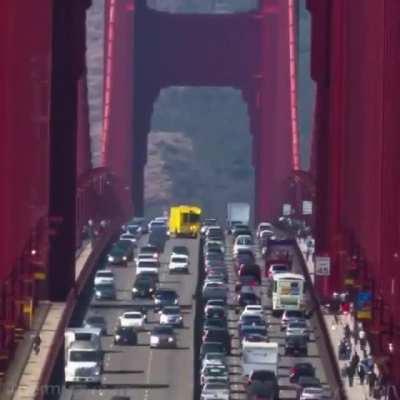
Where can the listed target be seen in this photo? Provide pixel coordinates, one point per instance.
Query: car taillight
(293, 370)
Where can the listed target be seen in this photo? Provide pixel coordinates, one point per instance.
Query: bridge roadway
(138, 371)
(317, 354)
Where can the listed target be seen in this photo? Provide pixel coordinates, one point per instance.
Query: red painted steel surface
(217, 50)
(117, 139)
(25, 67)
(356, 63)
(29, 108)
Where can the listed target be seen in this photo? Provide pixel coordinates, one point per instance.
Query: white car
(256, 310)
(218, 373)
(178, 263)
(104, 276)
(128, 236)
(144, 266)
(298, 328)
(145, 257)
(213, 359)
(214, 302)
(263, 226)
(216, 243)
(243, 242)
(171, 315)
(278, 269)
(313, 393)
(215, 391)
(134, 319)
(154, 223)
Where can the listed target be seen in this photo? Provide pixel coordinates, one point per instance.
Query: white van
(83, 360)
(260, 355)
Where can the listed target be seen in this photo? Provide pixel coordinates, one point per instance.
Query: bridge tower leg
(68, 68)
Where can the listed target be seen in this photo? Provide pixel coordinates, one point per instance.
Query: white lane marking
(148, 372)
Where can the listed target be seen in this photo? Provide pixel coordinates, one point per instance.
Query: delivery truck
(83, 356)
(237, 214)
(260, 356)
(184, 221)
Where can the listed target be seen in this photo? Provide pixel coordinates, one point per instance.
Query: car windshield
(212, 347)
(296, 339)
(215, 371)
(117, 251)
(214, 322)
(149, 276)
(104, 287)
(136, 315)
(163, 330)
(166, 294)
(248, 296)
(214, 256)
(214, 285)
(294, 314)
(171, 310)
(125, 329)
(216, 386)
(95, 320)
(148, 264)
(179, 260)
(249, 319)
(254, 331)
(180, 250)
(105, 274)
(297, 324)
(280, 268)
(143, 283)
(149, 249)
(128, 236)
(84, 356)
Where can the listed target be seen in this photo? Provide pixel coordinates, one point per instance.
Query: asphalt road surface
(138, 371)
(315, 349)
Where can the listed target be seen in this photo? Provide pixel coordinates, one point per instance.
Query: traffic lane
(328, 368)
(130, 367)
(176, 365)
(287, 389)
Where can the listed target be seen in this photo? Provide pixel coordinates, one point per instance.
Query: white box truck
(83, 356)
(237, 213)
(260, 355)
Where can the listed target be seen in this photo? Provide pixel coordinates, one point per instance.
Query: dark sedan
(125, 335)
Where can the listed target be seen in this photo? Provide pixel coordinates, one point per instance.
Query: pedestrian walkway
(335, 327)
(22, 378)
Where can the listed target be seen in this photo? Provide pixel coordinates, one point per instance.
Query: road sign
(287, 209)
(322, 266)
(307, 207)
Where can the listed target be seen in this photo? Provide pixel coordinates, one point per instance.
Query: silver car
(214, 290)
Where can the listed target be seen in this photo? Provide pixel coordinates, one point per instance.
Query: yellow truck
(184, 221)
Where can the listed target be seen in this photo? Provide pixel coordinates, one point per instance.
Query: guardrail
(70, 305)
(339, 391)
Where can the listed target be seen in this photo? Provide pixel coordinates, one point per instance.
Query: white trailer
(83, 356)
(260, 356)
(238, 213)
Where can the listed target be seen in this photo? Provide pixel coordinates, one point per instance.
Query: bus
(287, 292)
(184, 221)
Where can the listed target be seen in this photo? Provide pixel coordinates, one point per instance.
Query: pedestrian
(347, 331)
(36, 344)
(371, 382)
(350, 374)
(355, 359)
(361, 373)
(355, 334)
